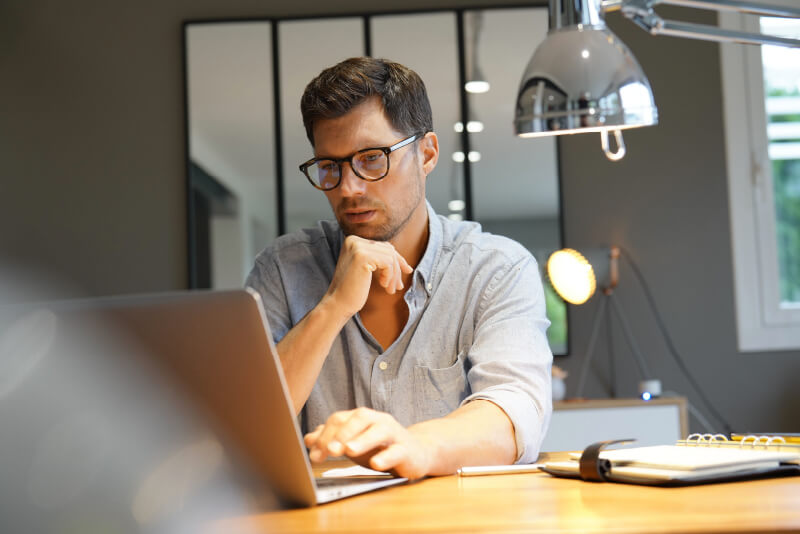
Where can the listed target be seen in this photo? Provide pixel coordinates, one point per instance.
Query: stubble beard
(394, 224)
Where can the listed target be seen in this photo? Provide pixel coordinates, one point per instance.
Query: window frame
(763, 322)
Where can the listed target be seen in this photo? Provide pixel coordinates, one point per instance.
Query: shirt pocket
(439, 391)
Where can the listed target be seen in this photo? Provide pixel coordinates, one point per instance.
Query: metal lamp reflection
(582, 78)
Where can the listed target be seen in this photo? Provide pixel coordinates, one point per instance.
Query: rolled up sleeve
(510, 359)
(265, 278)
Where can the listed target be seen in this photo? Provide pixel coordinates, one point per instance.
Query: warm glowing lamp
(572, 275)
(575, 277)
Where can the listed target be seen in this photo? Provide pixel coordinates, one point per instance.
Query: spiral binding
(702, 438)
(750, 441)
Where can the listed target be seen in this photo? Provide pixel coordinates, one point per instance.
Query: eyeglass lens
(369, 165)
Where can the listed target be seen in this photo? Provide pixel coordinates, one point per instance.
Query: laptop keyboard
(328, 482)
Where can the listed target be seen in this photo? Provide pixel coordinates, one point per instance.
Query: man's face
(372, 210)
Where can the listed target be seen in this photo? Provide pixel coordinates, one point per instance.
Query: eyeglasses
(370, 164)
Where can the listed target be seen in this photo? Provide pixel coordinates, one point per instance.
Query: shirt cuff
(529, 422)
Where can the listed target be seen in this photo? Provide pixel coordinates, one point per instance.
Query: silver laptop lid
(217, 347)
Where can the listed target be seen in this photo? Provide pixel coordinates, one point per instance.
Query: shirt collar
(427, 264)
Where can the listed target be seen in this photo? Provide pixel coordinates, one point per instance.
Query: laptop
(216, 346)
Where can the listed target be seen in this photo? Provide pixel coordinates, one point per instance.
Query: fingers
(378, 434)
(382, 258)
(370, 438)
(361, 263)
(391, 277)
(401, 459)
(404, 266)
(353, 433)
(340, 427)
(322, 440)
(311, 437)
(389, 458)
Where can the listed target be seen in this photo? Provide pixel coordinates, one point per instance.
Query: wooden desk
(539, 502)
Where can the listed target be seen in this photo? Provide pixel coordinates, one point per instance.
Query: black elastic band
(592, 467)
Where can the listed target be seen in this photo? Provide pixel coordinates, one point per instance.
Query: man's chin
(366, 231)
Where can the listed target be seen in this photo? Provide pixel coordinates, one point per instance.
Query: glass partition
(514, 180)
(410, 40)
(232, 179)
(306, 48)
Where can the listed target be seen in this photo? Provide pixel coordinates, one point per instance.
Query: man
(409, 342)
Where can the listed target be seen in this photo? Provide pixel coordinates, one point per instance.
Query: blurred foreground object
(93, 439)
(559, 386)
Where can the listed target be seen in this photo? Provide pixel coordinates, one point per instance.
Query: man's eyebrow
(326, 156)
(365, 147)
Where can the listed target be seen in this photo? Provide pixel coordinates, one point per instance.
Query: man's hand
(372, 439)
(359, 259)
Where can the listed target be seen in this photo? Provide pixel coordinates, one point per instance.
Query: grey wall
(533, 233)
(92, 180)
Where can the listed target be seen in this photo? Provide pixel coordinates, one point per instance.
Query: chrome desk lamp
(583, 78)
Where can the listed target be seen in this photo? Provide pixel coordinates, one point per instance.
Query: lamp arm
(737, 6)
(655, 25)
(642, 13)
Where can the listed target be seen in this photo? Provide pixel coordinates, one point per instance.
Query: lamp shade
(576, 278)
(571, 275)
(582, 78)
(476, 81)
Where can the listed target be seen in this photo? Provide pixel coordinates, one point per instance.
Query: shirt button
(383, 366)
(430, 287)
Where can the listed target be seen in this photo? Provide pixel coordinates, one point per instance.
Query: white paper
(354, 471)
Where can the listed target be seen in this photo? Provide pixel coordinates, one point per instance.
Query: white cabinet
(578, 423)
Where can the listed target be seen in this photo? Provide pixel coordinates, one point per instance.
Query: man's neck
(384, 314)
(412, 240)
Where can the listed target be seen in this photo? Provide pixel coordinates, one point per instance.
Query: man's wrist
(329, 310)
(430, 445)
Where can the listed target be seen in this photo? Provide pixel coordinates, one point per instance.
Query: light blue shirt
(476, 330)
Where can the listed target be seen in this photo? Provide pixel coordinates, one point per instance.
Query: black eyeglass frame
(349, 159)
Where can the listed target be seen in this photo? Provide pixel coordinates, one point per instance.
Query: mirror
(229, 75)
(307, 47)
(246, 138)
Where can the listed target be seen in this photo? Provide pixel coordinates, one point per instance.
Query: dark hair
(340, 88)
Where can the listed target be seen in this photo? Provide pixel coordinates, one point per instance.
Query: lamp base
(650, 389)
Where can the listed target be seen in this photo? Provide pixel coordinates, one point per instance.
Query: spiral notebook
(700, 458)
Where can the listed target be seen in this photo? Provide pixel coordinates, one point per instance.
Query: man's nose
(351, 185)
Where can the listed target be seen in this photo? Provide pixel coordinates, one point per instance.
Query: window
(761, 89)
(781, 68)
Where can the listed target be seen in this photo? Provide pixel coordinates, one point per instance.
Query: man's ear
(430, 152)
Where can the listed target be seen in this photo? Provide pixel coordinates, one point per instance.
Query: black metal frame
(367, 37)
(349, 159)
(276, 96)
